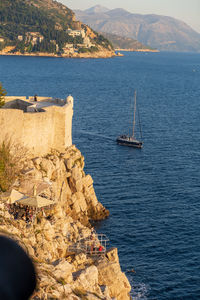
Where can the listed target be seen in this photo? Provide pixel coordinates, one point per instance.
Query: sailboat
(130, 140)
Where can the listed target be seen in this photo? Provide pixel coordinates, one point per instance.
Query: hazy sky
(185, 10)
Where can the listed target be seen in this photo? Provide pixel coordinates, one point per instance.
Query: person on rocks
(100, 248)
(16, 215)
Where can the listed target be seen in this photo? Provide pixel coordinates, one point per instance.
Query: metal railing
(95, 244)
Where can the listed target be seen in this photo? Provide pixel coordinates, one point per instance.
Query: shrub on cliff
(90, 50)
(11, 160)
(2, 95)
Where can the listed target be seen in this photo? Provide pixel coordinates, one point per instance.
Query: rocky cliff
(52, 237)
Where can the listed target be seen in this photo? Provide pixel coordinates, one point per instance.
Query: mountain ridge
(162, 32)
(96, 9)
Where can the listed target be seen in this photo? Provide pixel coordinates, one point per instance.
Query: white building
(75, 33)
(20, 37)
(68, 48)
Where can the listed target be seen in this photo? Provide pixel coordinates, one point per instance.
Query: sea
(153, 194)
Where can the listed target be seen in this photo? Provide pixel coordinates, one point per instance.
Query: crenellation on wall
(27, 98)
(47, 126)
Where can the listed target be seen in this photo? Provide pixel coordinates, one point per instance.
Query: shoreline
(100, 54)
(138, 50)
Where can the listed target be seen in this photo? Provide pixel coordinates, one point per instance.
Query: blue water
(153, 194)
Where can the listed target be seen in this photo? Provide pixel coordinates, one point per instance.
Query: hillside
(46, 26)
(120, 42)
(161, 32)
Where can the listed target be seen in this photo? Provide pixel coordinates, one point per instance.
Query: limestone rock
(47, 166)
(48, 231)
(37, 161)
(79, 185)
(64, 271)
(110, 274)
(69, 163)
(88, 279)
(79, 202)
(73, 297)
(87, 181)
(76, 173)
(67, 289)
(80, 258)
(64, 228)
(112, 255)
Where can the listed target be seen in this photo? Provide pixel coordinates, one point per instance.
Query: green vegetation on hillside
(2, 95)
(120, 42)
(17, 18)
(101, 40)
(90, 50)
(21, 19)
(11, 161)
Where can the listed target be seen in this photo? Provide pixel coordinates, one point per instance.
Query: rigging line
(140, 126)
(134, 114)
(130, 117)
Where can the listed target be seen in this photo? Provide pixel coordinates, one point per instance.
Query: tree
(12, 157)
(2, 95)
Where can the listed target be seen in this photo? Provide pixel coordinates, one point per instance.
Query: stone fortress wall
(40, 125)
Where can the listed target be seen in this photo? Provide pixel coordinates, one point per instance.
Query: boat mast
(134, 113)
(139, 122)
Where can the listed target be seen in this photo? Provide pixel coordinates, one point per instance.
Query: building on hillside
(75, 33)
(34, 37)
(20, 37)
(87, 42)
(2, 40)
(39, 126)
(68, 49)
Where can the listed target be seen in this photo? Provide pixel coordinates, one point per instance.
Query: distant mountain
(46, 26)
(97, 9)
(120, 42)
(161, 32)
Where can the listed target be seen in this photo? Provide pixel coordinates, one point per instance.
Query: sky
(185, 10)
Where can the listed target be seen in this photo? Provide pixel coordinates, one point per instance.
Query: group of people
(21, 212)
(95, 247)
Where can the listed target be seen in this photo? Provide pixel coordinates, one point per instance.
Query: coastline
(100, 54)
(138, 50)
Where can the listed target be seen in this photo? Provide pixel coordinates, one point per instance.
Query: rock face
(64, 273)
(66, 183)
(107, 270)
